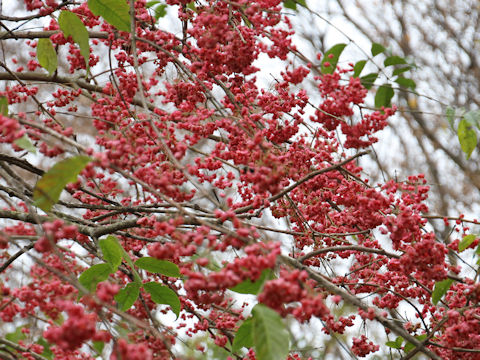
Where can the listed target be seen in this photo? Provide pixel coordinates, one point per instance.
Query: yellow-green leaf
(467, 137)
(157, 266)
(25, 143)
(330, 58)
(466, 242)
(127, 296)
(253, 287)
(440, 289)
(3, 106)
(163, 295)
(243, 337)
(48, 189)
(112, 251)
(93, 275)
(46, 55)
(270, 336)
(115, 12)
(71, 25)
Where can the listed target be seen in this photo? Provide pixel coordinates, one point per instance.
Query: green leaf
(98, 346)
(243, 337)
(397, 344)
(127, 296)
(94, 275)
(368, 80)
(48, 189)
(394, 60)
(160, 11)
(271, 339)
(47, 353)
(440, 289)
(16, 335)
(357, 69)
(290, 4)
(405, 82)
(46, 55)
(163, 295)
(152, 3)
(377, 49)
(25, 143)
(332, 56)
(409, 346)
(115, 12)
(384, 96)
(401, 70)
(253, 287)
(191, 6)
(3, 106)
(450, 113)
(473, 118)
(71, 25)
(112, 251)
(156, 266)
(466, 242)
(467, 137)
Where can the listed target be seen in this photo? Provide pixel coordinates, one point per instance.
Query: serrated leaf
(115, 12)
(157, 266)
(94, 275)
(358, 67)
(271, 339)
(405, 82)
(368, 80)
(377, 49)
(46, 55)
(394, 60)
(450, 113)
(440, 289)
(466, 242)
(112, 251)
(384, 96)
(253, 287)
(163, 295)
(467, 137)
(243, 337)
(25, 143)
(127, 296)
(3, 106)
(71, 25)
(331, 56)
(48, 189)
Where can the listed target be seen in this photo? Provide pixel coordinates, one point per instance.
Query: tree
(440, 39)
(148, 180)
